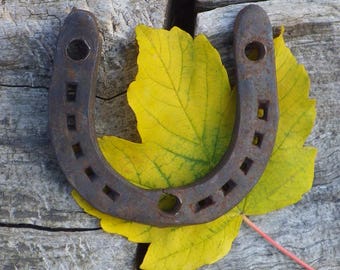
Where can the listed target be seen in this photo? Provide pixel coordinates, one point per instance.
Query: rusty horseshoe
(72, 131)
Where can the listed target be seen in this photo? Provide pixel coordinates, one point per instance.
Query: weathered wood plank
(33, 190)
(311, 228)
(301, 18)
(29, 30)
(28, 34)
(32, 249)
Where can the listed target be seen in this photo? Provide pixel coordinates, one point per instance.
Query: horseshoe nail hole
(78, 152)
(113, 195)
(169, 203)
(78, 49)
(90, 173)
(262, 111)
(71, 91)
(246, 165)
(71, 122)
(205, 203)
(258, 138)
(255, 51)
(227, 187)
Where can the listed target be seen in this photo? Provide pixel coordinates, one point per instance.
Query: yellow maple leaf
(175, 111)
(185, 113)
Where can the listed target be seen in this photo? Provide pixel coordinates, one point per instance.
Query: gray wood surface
(204, 5)
(40, 225)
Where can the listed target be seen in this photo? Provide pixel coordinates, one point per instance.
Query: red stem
(275, 244)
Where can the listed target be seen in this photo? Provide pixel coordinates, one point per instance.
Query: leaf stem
(276, 244)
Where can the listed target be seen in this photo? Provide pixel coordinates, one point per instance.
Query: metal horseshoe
(72, 130)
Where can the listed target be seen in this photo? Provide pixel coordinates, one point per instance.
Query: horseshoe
(72, 131)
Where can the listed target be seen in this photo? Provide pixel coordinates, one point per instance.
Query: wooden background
(41, 227)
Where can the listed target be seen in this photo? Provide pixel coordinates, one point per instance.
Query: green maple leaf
(185, 113)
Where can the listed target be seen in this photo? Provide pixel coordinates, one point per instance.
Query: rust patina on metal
(72, 129)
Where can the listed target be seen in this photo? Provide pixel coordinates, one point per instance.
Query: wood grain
(40, 225)
(31, 249)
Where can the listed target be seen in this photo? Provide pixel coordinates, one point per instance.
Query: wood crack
(23, 86)
(47, 88)
(111, 98)
(45, 228)
(206, 5)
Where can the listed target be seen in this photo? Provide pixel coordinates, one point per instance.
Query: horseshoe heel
(72, 131)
